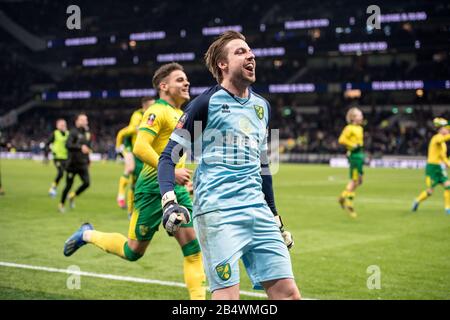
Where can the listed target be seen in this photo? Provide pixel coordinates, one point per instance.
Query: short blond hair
(351, 114)
(217, 53)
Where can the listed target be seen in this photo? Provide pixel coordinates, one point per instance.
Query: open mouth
(250, 67)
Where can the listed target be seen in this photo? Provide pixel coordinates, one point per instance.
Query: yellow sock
(123, 182)
(72, 195)
(344, 194)
(54, 184)
(422, 196)
(447, 198)
(350, 197)
(194, 276)
(109, 242)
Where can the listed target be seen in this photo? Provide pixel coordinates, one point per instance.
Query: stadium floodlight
(80, 41)
(306, 24)
(145, 36)
(363, 46)
(213, 31)
(169, 57)
(397, 85)
(269, 52)
(133, 93)
(94, 62)
(403, 17)
(67, 95)
(292, 88)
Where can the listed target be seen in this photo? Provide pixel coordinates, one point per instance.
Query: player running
(79, 146)
(125, 140)
(157, 124)
(234, 210)
(57, 144)
(352, 137)
(437, 162)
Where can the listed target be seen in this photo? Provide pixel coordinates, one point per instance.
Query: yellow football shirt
(160, 120)
(351, 136)
(437, 149)
(131, 129)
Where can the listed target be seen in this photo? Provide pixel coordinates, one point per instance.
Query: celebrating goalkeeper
(234, 208)
(352, 137)
(156, 127)
(437, 162)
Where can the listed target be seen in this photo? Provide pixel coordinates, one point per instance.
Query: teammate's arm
(72, 143)
(180, 140)
(344, 139)
(444, 153)
(119, 138)
(50, 140)
(129, 130)
(143, 148)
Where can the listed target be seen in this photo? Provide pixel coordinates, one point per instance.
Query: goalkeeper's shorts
(249, 233)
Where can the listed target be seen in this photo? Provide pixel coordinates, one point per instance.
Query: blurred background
(314, 61)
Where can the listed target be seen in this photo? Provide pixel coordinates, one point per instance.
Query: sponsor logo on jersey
(226, 108)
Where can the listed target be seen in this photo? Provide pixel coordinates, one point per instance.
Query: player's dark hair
(216, 52)
(164, 71)
(79, 115)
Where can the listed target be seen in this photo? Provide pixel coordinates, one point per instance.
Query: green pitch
(330, 258)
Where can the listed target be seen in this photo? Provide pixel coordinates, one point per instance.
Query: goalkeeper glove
(287, 236)
(173, 214)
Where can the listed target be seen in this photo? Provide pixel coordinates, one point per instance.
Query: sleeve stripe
(148, 130)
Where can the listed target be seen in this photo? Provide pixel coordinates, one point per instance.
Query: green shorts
(435, 174)
(127, 144)
(356, 161)
(138, 165)
(147, 213)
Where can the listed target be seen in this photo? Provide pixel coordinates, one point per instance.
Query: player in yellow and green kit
(125, 139)
(57, 144)
(157, 125)
(437, 162)
(352, 137)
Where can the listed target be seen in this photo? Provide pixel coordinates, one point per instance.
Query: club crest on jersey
(224, 271)
(259, 111)
(181, 122)
(143, 230)
(151, 119)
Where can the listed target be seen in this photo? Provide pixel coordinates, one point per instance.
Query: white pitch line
(113, 277)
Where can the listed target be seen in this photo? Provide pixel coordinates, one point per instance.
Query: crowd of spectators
(387, 132)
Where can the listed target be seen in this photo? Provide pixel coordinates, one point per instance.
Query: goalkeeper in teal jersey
(234, 211)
